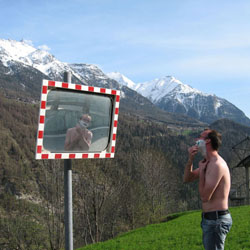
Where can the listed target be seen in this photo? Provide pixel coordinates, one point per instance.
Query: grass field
(183, 232)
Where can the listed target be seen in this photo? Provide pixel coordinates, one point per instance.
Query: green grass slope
(182, 232)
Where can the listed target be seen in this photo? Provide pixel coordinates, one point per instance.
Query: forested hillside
(141, 185)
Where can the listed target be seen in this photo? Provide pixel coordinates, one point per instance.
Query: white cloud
(44, 47)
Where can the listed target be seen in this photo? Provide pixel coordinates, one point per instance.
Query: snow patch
(123, 80)
(159, 88)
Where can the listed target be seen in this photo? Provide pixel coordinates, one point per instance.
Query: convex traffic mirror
(76, 121)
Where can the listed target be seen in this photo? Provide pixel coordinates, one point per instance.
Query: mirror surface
(76, 121)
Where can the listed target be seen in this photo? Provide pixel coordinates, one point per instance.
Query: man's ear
(208, 140)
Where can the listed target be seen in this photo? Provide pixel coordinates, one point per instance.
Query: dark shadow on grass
(175, 216)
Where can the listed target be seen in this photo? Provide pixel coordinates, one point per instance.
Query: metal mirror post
(68, 213)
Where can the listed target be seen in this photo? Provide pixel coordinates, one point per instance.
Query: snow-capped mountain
(92, 75)
(24, 53)
(22, 68)
(122, 79)
(172, 95)
(156, 89)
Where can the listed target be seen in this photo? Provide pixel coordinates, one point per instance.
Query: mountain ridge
(35, 62)
(170, 94)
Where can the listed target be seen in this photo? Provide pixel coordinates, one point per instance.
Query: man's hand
(189, 173)
(203, 165)
(192, 151)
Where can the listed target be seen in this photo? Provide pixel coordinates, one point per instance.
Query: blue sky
(203, 43)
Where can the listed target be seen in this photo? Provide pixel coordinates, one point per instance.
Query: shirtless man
(214, 186)
(79, 138)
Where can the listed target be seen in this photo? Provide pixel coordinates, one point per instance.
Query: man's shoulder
(219, 163)
(222, 163)
(71, 130)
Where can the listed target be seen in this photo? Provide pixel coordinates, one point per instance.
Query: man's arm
(88, 137)
(209, 180)
(190, 174)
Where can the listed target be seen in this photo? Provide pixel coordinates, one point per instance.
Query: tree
(52, 189)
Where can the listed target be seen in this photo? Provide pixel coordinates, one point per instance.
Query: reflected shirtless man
(79, 138)
(214, 186)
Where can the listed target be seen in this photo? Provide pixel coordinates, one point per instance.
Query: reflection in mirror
(76, 122)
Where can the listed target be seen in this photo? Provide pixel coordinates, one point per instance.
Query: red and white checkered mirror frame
(42, 154)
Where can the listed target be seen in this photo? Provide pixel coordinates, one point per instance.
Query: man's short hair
(215, 138)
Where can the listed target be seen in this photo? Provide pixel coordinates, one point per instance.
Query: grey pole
(68, 213)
